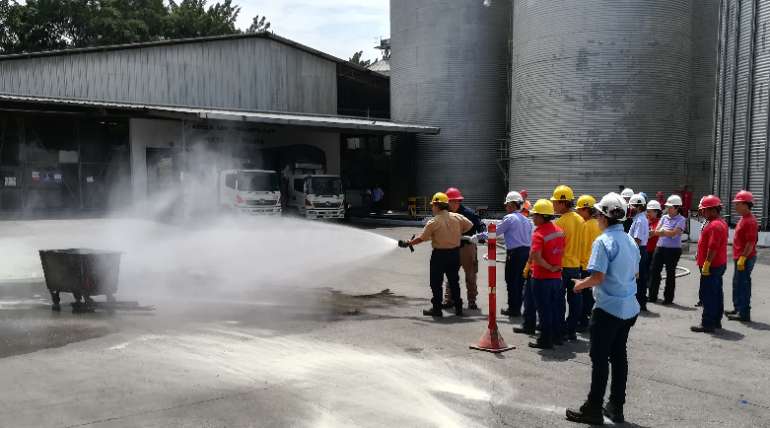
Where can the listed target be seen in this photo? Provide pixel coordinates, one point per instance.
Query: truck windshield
(326, 185)
(258, 181)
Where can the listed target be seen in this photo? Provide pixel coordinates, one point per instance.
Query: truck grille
(260, 203)
(327, 204)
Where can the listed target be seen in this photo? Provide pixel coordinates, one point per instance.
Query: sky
(337, 27)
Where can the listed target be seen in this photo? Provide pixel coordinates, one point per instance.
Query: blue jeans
(742, 288)
(575, 301)
(712, 296)
(547, 292)
(530, 308)
(644, 275)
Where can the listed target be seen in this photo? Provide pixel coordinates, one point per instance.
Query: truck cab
(316, 196)
(250, 191)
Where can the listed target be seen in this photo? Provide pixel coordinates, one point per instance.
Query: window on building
(230, 181)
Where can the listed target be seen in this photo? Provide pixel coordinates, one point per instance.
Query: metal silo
(600, 95)
(741, 133)
(449, 68)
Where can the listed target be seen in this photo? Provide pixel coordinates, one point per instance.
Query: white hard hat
(627, 193)
(653, 205)
(637, 199)
(612, 206)
(674, 201)
(514, 197)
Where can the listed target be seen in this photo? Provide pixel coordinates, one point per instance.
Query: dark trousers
(588, 302)
(445, 262)
(569, 321)
(644, 274)
(712, 295)
(547, 292)
(515, 259)
(609, 335)
(530, 308)
(668, 257)
(742, 288)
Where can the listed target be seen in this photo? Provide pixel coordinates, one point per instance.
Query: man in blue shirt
(640, 232)
(468, 250)
(613, 265)
(517, 231)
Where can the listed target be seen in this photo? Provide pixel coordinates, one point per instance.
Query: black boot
(738, 317)
(733, 312)
(586, 414)
(541, 345)
(614, 412)
(435, 312)
(701, 329)
(524, 330)
(510, 313)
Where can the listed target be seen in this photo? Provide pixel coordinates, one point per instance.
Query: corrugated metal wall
(601, 95)
(741, 134)
(450, 68)
(245, 73)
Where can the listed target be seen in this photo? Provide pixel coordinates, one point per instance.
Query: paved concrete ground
(352, 349)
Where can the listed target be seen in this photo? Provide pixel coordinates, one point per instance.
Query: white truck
(250, 191)
(312, 194)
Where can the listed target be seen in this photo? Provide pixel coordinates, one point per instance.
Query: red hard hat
(454, 194)
(744, 196)
(524, 193)
(709, 201)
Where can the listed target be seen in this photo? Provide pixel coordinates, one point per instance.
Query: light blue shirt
(517, 230)
(640, 229)
(669, 223)
(616, 255)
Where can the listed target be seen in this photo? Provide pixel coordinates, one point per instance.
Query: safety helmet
(744, 196)
(454, 194)
(613, 206)
(709, 201)
(562, 193)
(627, 193)
(637, 199)
(513, 196)
(674, 201)
(440, 198)
(586, 201)
(654, 205)
(542, 207)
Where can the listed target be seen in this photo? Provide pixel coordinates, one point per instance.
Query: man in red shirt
(545, 260)
(712, 260)
(744, 256)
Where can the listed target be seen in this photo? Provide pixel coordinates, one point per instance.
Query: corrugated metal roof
(274, 118)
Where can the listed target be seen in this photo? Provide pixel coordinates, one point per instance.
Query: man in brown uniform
(444, 231)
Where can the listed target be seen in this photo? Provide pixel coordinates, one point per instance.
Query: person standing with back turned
(469, 259)
(744, 255)
(613, 267)
(712, 261)
(588, 234)
(571, 223)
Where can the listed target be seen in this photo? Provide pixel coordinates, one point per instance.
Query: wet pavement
(352, 349)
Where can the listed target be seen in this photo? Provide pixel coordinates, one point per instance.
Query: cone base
(492, 342)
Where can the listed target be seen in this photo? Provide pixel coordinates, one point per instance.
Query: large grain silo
(741, 135)
(600, 95)
(449, 68)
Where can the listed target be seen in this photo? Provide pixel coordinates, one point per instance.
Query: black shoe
(586, 415)
(509, 313)
(738, 317)
(668, 303)
(614, 412)
(733, 312)
(472, 306)
(540, 345)
(447, 305)
(459, 311)
(701, 329)
(435, 312)
(524, 330)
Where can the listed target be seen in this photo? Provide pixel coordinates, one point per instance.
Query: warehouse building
(107, 127)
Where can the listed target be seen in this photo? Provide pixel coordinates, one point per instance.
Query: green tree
(191, 18)
(259, 25)
(356, 59)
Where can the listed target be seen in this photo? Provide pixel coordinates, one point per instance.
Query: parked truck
(249, 191)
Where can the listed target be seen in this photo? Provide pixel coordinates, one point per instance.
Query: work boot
(435, 312)
(524, 330)
(738, 317)
(733, 312)
(614, 412)
(701, 329)
(510, 313)
(472, 306)
(586, 414)
(540, 345)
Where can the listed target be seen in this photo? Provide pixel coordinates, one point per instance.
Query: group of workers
(592, 269)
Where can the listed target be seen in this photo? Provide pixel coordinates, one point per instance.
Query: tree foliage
(259, 25)
(356, 59)
(39, 25)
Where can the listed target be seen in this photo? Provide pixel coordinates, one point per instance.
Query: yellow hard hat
(562, 193)
(440, 198)
(542, 207)
(586, 201)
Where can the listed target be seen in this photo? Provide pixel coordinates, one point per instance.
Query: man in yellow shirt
(572, 224)
(444, 231)
(588, 234)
